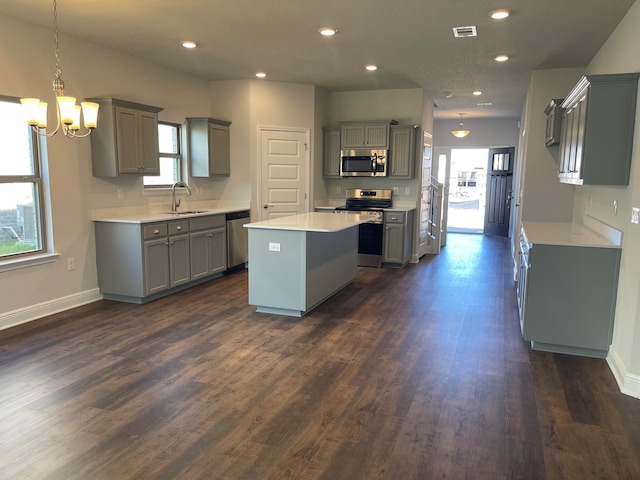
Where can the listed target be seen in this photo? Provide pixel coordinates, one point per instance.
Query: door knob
(266, 205)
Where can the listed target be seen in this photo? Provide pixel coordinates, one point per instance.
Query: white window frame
(39, 178)
(178, 162)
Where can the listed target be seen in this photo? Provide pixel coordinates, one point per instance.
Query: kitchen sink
(187, 212)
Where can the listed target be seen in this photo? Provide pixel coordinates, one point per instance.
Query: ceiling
(412, 41)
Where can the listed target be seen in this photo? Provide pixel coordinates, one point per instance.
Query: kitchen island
(297, 262)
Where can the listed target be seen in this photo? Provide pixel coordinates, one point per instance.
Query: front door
(499, 194)
(284, 156)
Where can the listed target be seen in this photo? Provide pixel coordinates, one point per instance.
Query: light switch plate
(635, 213)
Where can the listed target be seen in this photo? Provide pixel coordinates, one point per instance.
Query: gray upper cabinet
(331, 153)
(402, 151)
(373, 135)
(126, 140)
(209, 147)
(553, 111)
(597, 130)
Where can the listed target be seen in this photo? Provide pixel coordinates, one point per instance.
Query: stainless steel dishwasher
(237, 239)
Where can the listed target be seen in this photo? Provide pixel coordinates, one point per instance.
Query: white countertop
(398, 206)
(150, 217)
(570, 234)
(312, 222)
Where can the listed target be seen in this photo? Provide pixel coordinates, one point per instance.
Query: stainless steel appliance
(363, 163)
(237, 239)
(371, 234)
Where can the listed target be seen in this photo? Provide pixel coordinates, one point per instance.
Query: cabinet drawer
(181, 226)
(394, 217)
(154, 230)
(205, 223)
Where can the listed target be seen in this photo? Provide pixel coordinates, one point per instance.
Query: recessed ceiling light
(448, 94)
(371, 68)
(477, 92)
(500, 14)
(501, 58)
(261, 74)
(328, 31)
(484, 104)
(189, 44)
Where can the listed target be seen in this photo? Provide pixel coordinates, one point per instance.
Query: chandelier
(460, 133)
(67, 112)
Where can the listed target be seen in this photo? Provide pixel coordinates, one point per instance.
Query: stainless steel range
(373, 203)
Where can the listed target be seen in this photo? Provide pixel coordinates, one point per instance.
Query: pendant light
(67, 112)
(460, 133)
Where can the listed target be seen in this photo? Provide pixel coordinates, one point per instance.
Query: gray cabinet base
(584, 352)
(163, 293)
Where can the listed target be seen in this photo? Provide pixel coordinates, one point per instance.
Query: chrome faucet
(176, 203)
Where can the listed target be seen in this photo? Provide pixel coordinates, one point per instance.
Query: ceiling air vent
(465, 31)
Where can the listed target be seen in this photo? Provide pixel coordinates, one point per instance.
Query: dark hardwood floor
(414, 373)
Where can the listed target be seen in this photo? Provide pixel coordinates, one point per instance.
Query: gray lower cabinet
(398, 229)
(179, 258)
(567, 297)
(141, 262)
(208, 246)
(402, 148)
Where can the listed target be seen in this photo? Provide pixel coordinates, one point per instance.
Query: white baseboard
(33, 312)
(629, 383)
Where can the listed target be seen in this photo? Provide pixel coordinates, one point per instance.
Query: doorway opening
(467, 190)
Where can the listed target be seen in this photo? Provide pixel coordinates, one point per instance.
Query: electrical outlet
(615, 207)
(338, 189)
(396, 190)
(120, 194)
(274, 247)
(71, 263)
(635, 213)
(407, 191)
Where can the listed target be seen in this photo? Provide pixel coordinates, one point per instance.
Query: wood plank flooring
(414, 373)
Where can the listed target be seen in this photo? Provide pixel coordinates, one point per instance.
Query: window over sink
(170, 147)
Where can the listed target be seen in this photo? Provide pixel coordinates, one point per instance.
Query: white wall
(483, 133)
(619, 54)
(542, 196)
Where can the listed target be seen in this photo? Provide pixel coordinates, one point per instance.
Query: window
(21, 186)
(170, 157)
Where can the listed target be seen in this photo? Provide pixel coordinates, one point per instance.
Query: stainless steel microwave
(363, 163)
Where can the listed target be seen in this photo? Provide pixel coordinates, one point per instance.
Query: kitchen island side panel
(277, 278)
(332, 263)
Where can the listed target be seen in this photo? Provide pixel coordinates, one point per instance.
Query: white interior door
(424, 215)
(284, 156)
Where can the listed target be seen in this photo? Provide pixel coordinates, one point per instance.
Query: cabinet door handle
(267, 205)
(156, 231)
(179, 227)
